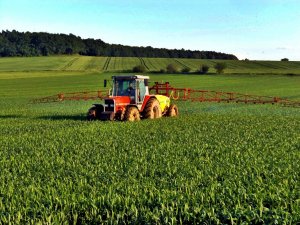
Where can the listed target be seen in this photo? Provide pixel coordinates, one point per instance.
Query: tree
(162, 70)
(220, 67)
(68, 51)
(172, 68)
(204, 69)
(44, 50)
(185, 70)
(285, 59)
(139, 69)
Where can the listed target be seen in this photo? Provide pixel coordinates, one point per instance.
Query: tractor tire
(92, 114)
(132, 114)
(172, 110)
(152, 109)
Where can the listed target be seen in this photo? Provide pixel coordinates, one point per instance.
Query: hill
(125, 64)
(14, 43)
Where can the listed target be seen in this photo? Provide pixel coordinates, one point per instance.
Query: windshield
(124, 88)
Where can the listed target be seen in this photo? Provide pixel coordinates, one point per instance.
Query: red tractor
(130, 100)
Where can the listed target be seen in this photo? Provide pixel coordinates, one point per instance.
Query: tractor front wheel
(152, 109)
(92, 113)
(172, 110)
(132, 114)
(95, 112)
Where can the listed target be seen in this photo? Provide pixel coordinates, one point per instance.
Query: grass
(118, 64)
(214, 164)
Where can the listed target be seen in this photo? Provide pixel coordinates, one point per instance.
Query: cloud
(281, 48)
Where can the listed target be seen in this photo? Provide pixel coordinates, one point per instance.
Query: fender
(99, 107)
(146, 99)
(163, 100)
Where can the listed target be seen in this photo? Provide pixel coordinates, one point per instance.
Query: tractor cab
(135, 87)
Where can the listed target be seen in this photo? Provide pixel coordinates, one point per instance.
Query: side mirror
(105, 83)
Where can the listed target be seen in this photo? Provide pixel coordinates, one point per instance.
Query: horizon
(256, 30)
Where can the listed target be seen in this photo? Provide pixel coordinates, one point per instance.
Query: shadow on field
(64, 117)
(10, 116)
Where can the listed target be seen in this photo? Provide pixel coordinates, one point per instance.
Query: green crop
(215, 164)
(119, 64)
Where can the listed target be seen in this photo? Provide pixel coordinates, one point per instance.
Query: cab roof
(133, 77)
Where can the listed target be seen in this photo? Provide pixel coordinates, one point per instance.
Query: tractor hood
(121, 100)
(116, 103)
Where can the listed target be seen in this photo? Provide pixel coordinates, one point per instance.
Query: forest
(14, 43)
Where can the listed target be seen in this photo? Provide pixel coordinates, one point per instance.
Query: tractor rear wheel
(92, 113)
(172, 110)
(132, 114)
(152, 109)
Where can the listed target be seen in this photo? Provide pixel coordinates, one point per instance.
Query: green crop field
(119, 64)
(217, 163)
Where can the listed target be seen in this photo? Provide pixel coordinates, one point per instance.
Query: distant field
(217, 163)
(119, 64)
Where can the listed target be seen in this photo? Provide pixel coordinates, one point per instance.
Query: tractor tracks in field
(106, 64)
(70, 63)
(143, 63)
(90, 64)
(151, 64)
(182, 64)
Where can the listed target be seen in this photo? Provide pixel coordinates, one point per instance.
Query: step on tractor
(129, 100)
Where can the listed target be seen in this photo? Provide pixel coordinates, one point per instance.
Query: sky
(253, 29)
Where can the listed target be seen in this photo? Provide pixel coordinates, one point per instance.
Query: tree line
(14, 43)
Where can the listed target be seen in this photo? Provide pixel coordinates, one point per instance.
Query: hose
(172, 95)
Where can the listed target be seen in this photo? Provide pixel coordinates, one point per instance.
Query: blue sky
(254, 29)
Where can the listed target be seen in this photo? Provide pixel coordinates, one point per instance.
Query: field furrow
(106, 64)
(143, 63)
(70, 64)
(182, 65)
(150, 65)
(94, 63)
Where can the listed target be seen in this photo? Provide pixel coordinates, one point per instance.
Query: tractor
(129, 100)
